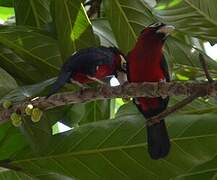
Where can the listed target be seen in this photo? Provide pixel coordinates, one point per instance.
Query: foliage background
(102, 144)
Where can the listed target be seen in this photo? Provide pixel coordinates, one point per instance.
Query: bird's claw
(82, 86)
(96, 80)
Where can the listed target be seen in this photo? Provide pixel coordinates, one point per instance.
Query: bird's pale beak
(166, 29)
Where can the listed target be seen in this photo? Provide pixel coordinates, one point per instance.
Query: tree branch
(146, 89)
(156, 119)
(205, 68)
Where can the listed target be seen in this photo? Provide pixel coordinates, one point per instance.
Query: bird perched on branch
(89, 65)
(146, 63)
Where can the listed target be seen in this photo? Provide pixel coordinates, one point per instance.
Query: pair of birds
(145, 63)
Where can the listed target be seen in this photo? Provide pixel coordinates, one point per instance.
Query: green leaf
(12, 141)
(96, 111)
(195, 17)
(7, 3)
(5, 13)
(198, 106)
(18, 68)
(88, 112)
(54, 176)
(15, 175)
(207, 170)
(38, 134)
(36, 49)
(180, 53)
(7, 83)
(23, 92)
(34, 13)
(74, 30)
(132, 15)
(102, 28)
(118, 149)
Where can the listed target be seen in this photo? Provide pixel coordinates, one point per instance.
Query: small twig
(205, 68)
(170, 110)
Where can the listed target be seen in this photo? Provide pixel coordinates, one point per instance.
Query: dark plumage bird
(88, 65)
(146, 63)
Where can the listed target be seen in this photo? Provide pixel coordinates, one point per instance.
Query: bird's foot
(82, 86)
(96, 80)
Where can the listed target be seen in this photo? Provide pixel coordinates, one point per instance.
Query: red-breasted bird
(146, 63)
(89, 65)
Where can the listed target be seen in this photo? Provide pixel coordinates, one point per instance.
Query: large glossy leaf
(194, 17)
(5, 13)
(130, 17)
(54, 176)
(204, 171)
(7, 83)
(134, 16)
(73, 27)
(7, 173)
(38, 134)
(198, 106)
(36, 49)
(17, 67)
(88, 112)
(118, 149)
(12, 142)
(36, 13)
(15, 175)
(23, 92)
(180, 53)
(102, 28)
(7, 3)
(96, 111)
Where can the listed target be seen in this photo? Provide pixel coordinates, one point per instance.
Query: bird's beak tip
(167, 29)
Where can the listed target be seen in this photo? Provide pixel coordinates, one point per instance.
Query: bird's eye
(156, 24)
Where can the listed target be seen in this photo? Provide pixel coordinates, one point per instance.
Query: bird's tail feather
(60, 82)
(158, 140)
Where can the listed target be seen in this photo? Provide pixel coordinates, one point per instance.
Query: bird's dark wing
(165, 68)
(84, 61)
(87, 60)
(60, 82)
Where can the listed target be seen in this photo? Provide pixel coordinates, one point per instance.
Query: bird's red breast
(144, 65)
(144, 61)
(101, 72)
